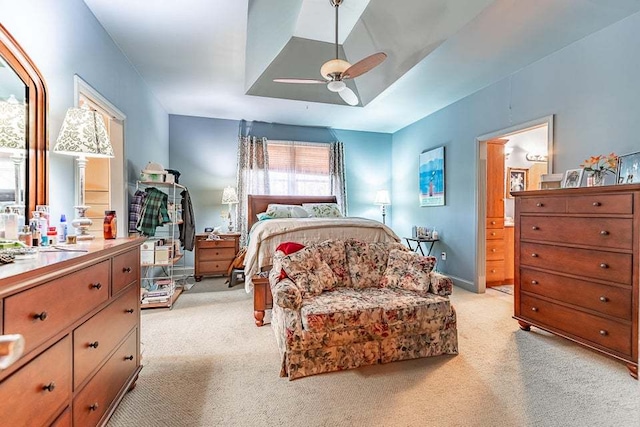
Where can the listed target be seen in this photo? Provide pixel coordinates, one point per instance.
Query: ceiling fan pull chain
(336, 6)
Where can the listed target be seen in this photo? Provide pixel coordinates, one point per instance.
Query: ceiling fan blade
(364, 65)
(306, 81)
(349, 97)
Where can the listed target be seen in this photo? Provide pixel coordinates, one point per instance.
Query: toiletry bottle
(35, 232)
(62, 229)
(25, 235)
(52, 234)
(10, 225)
(109, 225)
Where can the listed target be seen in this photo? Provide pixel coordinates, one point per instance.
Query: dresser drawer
(63, 420)
(495, 250)
(597, 232)
(614, 267)
(39, 389)
(601, 203)
(610, 300)
(495, 271)
(124, 270)
(543, 204)
(495, 233)
(217, 254)
(603, 332)
(95, 398)
(41, 312)
(222, 243)
(92, 342)
(214, 267)
(495, 222)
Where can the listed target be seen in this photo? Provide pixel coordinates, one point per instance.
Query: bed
(265, 236)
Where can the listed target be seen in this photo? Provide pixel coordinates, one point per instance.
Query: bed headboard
(259, 203)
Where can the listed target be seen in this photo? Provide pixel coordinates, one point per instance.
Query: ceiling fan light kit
(337, 70)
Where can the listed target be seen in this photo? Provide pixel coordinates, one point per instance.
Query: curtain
(338, 175)
(253, 176)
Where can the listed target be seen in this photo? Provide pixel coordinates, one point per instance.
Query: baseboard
(463, 283)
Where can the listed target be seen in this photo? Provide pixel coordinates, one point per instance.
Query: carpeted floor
(207, 364)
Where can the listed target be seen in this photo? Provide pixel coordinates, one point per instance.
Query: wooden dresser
(213, 257)
(495, 213)
(576, 266)
(80, 318)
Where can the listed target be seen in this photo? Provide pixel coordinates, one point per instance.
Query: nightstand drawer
(614, 267)
(41, 312)
(214, 267)
(125, 270)
(217, 254)
(595, 232)
(223, 243)
(612, 300)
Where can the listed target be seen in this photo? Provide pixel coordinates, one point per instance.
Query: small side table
(419, 241)
(262, 299)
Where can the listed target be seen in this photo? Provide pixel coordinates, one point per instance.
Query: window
(299, 168)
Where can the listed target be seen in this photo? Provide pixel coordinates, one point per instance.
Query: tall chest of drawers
(79, 315)
(576, 266)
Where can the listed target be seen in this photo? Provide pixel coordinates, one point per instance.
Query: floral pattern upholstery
(309, 271)
(408, 270)
(323, 210)
(367, 262)
(333, 253)
(346, 327)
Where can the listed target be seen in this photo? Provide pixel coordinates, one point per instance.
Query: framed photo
(551, 181)
(517, 180)
(432, 177)
(572, 178)
(629, 169)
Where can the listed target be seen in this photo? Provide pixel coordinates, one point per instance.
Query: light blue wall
(204, 150)
(590, 86)
(63, 38)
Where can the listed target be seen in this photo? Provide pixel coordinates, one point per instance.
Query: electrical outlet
(443, 256)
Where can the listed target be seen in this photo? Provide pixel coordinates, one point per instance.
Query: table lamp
(83, 134)
(229, 197)
(382, 199)
(13, 139)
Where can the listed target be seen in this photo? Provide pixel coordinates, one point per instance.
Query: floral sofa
(344, 304)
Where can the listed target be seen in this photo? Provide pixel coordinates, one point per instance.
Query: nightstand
(213, 257)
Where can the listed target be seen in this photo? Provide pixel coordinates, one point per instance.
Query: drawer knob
(539, 205)
(604, 233)
(493, 250)
(534, 282)
(493, 233)
(535, 228)
(534, 309)
(41, 316)
(94, 344)
(49, 387)
(94, 407)
(96, 285)
(493, 223)
(603, 332)
(604, 299)
(597, 204)
(126, 269)
(534, 255)
(603, 265)
(493, 270)
(129, 310)
(129, 357)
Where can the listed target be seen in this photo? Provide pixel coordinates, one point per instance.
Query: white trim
(481, 182)
(82, 87)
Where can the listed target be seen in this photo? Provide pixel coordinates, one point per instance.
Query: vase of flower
(597, 168)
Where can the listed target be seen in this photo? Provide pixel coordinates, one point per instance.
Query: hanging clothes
(154, 212)
(135, 210)
(188, 226)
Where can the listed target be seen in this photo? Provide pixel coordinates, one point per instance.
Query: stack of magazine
(159, 291)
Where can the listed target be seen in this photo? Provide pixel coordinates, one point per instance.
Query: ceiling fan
(335, 71)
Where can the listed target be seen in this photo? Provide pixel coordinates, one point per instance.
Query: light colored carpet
(207, 364)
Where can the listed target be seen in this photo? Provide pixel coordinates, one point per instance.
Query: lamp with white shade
(13, 139)
(229, 197)
(382, 199)
(83, 134)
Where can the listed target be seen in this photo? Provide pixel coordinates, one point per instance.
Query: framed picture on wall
(517, 180)
(572, 178)
(432, 177)
(629, 169)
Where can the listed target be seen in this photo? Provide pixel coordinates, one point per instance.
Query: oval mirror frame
(37, 161)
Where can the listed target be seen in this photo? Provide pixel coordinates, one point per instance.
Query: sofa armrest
(440, 284)
(286, 294)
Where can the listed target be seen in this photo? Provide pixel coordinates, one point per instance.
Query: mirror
(23, 135)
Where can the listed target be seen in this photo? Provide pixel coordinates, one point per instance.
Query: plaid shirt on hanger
(135, 210)
(154, 212)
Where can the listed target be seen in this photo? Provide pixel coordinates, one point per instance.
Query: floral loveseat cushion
(383, 313)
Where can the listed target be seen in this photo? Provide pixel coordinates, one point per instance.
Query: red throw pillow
(288, 248)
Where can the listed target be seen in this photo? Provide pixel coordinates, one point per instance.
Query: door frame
(481, 182)
(118, 171)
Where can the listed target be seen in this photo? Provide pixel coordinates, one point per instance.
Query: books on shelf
(160, 290)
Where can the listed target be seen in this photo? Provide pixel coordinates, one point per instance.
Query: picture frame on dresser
(517, 180)
(629, 169)
(572, 178)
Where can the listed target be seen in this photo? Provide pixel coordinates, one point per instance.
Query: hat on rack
(154, 168)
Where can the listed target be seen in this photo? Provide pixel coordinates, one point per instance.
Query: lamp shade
(83, 133)
(229, 196)
(382, 198)
(12, 125)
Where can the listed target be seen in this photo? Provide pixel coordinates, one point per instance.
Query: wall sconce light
(537, 157)
(382, 199)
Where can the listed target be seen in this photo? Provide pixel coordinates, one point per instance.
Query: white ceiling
(192, 54)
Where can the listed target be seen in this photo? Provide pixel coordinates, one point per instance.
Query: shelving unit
(164, 272)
